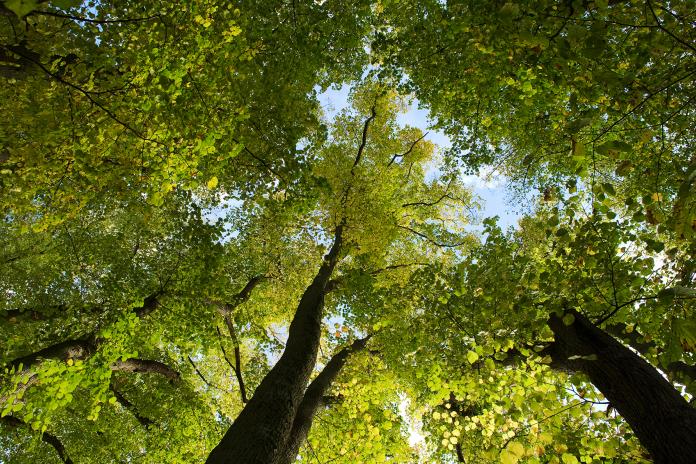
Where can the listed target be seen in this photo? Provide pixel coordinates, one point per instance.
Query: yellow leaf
(569, 459)
(516, 448)
(506, 457)
(212, 183)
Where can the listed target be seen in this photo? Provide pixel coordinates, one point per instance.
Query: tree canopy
(199, 263)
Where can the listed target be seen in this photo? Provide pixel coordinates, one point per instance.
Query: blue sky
(491, 190)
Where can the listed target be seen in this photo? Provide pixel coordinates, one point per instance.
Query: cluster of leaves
(169, 184)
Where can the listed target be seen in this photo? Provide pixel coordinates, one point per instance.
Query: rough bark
(75, 349)
(662, 420)
(149, 304)
(146, 366)
(314, 398)
(262, 428)
(676, 370)
(244, 294)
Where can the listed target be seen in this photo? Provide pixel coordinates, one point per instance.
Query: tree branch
(363, 142)
(92, 21)
(127, 405)
(88, 95)
(146, 366)
(336, 283)
(68, 349)
(431, 203)
(244, 294)
(410, 149)
(643, 102)
(202, 377)
(663, 28)
(46, 437)
(33, 314)
(314, 398)
(83, 347)
(150, 303)
(227, 312)
(434, 242)
(636, 340)
(237, 368)
(267, 418)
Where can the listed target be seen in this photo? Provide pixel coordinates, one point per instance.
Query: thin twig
(407, 151)
(212, 385)
(93, 21)
(434, 242)
(645, 100)
(659, 24)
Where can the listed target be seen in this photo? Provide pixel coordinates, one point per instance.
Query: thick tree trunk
(259, 433)
(314, 399)
(677, 371)
(662, 420)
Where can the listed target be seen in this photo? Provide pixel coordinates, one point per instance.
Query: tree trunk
(677, 371)
(259, 433)
(662, 420)
(314, 399)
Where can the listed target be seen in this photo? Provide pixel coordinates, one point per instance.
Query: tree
(199, 266)
(493, 322)
(532, 108)
(550, 93)
(339, 190)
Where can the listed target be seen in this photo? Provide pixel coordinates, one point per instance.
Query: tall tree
(197, 264)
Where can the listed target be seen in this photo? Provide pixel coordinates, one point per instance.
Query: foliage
(169, 184)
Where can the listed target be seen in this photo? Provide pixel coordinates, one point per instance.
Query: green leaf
(21, 7)
(66, 4)
(575, 126)
(685, 331)
(471, 356)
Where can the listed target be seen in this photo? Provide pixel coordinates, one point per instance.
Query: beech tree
(199, 264)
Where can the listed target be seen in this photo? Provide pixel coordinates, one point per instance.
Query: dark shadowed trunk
(662, 420)
(314, 399)
(677, 371)
(259, 433)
